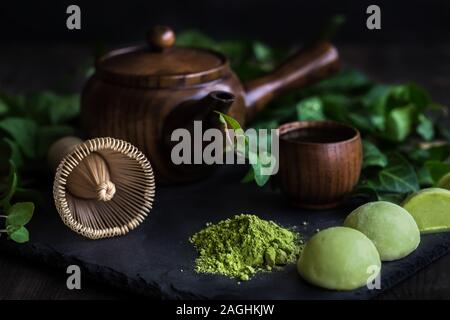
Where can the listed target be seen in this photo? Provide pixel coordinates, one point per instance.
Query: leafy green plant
(17, 216)
(395, 120)
(257, 160)
(404, 146)
(29, 124)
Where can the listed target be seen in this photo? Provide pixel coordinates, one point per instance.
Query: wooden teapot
(141, 94)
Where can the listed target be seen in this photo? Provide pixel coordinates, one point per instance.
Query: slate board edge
(99, 273)
(113, 278)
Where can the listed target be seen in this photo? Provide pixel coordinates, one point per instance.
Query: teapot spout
(215, 101)
(218, 101)
(203, 110)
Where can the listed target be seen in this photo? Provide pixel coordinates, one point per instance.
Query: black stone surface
(156, 259)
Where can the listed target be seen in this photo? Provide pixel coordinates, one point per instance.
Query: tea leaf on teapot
(258, 161)
(228, 120)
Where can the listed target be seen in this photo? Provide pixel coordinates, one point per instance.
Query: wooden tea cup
(319, 162)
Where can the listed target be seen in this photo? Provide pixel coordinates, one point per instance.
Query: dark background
(275, 21)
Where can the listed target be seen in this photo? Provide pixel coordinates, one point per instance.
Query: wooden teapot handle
(302, 69)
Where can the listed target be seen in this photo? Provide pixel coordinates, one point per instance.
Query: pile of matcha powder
(243, 245)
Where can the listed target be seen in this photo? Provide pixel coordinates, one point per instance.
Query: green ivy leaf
(310, 109)
(419, 96)
(16, 104)
(344, 81)
(18, 234)
(262, 52)
(260, 178)
(373, 157)
(425, 127)
(237, 52)
(439, 153)
(375, 98)
(360, 121)
(436, 153)
(263, 161)
(65, 108)
(376, 192)
(424, 176)
(335, 106)
(23, 131)
(399, 123)
(399, 95)
(46, 107)
(20, 213)
(195, 38)
(391, 197)
(437, 169)
(399, 176)
(375, 101)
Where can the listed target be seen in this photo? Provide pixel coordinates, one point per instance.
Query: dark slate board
(149, 260)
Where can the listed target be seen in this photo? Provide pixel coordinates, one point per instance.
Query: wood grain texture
(49, 66)
(145, 118)
(135, 89)
(318, 174)
(300, 70)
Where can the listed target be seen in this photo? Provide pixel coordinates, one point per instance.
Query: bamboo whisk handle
(106, 191)
(89, 176)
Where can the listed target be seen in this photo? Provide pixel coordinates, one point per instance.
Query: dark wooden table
(28, 68)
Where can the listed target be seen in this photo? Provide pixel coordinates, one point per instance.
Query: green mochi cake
(390, 227)
(339, 258)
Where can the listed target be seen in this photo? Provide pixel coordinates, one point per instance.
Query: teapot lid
(159, 64)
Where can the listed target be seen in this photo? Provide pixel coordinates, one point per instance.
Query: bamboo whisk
(91, 179)
(103, 187)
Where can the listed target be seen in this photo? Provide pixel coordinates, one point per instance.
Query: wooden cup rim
(295, 125)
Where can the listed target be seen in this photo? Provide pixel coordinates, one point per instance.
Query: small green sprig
(29, 124)
(17, 216)
(258, 160)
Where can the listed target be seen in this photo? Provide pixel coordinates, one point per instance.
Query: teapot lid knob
(160, 38)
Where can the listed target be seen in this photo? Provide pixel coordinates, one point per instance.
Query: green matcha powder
(243, 245)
